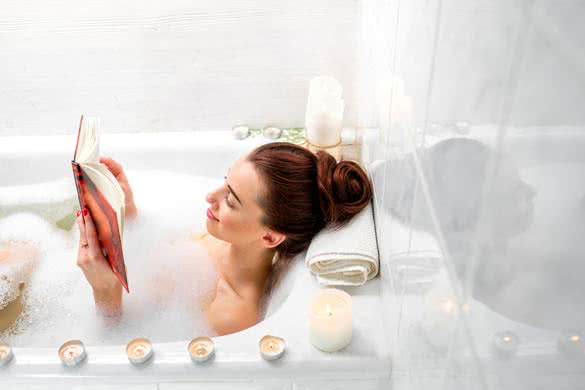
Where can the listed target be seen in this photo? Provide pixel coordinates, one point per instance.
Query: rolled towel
(347, 256)
(414, 256)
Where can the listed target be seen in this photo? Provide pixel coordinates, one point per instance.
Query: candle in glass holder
(571, 342)
(506, 343)
(72, 353)
(6, 354)
(139, 350)
(330, 320)
(271, 347)
(201, 349)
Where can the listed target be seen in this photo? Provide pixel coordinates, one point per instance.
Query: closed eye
(227, 202)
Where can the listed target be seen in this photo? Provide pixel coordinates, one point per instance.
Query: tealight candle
(72, 353)
(571, 342)
(6, 354)
(139, 350)
(506, 343)
(330, 320)
(201, 349)
(271, 347)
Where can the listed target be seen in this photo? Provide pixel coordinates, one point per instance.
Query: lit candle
(272, 347)
(72, 353)
(139, 350)
(6, 354)
(506, 343)
(324, 114)
(571, 342)
(330, 320)
(201, 349)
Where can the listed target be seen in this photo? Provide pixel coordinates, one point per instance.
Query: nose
(212, 197)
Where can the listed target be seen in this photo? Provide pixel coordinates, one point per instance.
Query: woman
(275, 199)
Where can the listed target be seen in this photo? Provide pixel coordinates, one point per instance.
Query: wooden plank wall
(169, 65)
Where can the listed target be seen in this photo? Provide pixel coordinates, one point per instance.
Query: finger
(82, 230)
(91, 234)
(113, 166)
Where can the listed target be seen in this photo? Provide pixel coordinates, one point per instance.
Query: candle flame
(507, 338)
(139, 351)
(449, 306)
(328, 309)
(575, 338)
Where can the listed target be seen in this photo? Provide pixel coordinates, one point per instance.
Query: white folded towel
(347, 256)
(413, 256)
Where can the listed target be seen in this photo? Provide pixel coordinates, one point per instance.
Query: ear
(272, 239)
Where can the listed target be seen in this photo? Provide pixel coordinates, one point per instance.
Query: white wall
(169, 65)
(182, 64)
(482, 61)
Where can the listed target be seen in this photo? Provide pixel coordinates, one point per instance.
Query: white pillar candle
(324, 114)
(330, 320)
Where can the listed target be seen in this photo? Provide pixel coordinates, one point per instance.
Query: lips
(211, 216)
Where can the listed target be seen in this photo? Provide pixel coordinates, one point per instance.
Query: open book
(99, 191)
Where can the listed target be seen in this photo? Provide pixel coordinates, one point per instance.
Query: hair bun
(344, 188)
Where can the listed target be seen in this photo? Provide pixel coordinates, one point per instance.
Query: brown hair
(306, 192)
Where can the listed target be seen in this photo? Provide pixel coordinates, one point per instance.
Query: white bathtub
(366, 362)
(467, 359)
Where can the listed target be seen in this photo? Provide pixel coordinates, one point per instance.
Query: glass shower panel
(480, 191)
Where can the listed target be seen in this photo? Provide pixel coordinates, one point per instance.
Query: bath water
(170, 276)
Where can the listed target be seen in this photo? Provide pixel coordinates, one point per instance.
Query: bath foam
(54, 201)
(171, 277)
(17, 262)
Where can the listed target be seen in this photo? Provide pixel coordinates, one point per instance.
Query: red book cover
(104, 218)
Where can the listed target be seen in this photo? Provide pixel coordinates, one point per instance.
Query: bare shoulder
(232, 310)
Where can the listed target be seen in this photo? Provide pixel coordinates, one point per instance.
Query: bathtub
(467, 359)
(364, 363)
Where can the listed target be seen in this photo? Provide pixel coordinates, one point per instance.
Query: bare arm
(107, 290)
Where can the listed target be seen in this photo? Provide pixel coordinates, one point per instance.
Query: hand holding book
(107, 290)
(101, 193)
(118, 172)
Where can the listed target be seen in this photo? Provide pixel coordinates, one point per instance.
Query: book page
(105, 181)
(88, 144)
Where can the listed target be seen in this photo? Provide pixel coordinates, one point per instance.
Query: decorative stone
(272, 132)
(241, 132)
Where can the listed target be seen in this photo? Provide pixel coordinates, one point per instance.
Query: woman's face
(233, 214)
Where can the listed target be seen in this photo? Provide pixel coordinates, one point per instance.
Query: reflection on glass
(509, 224)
